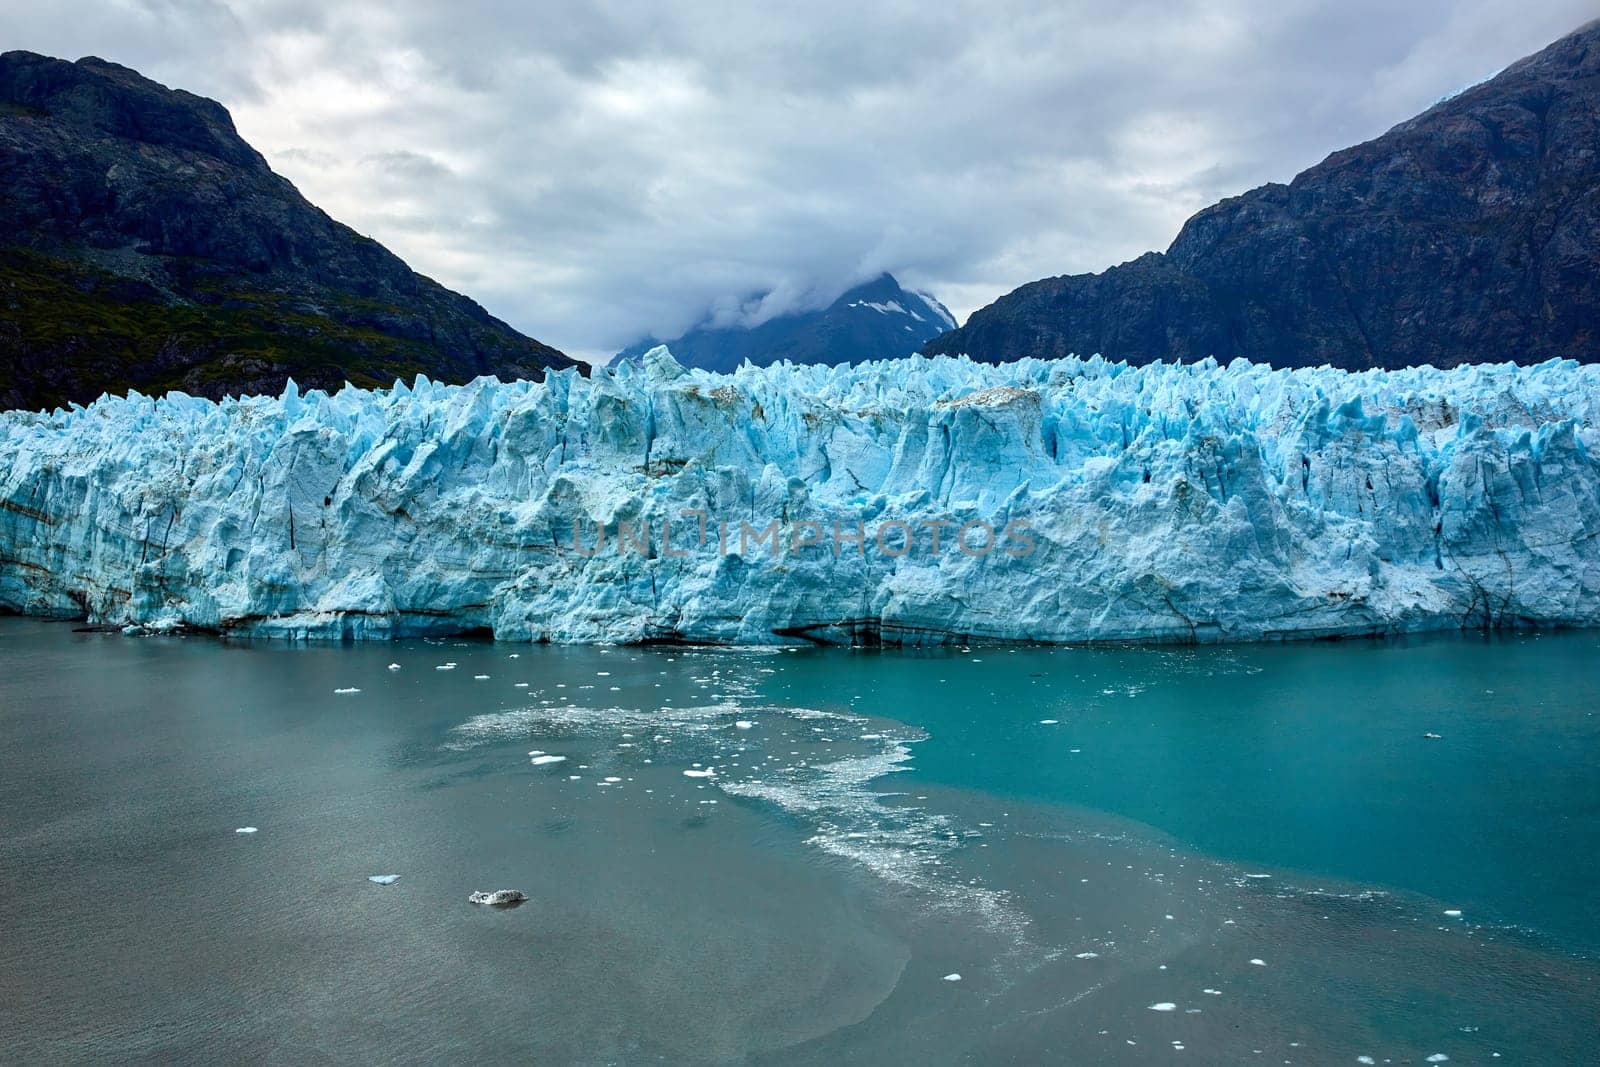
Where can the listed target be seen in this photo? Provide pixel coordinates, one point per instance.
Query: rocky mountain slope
(144, 244)
(1468, 234)
(875, 320)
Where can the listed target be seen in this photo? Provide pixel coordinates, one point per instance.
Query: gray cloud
(593, 173)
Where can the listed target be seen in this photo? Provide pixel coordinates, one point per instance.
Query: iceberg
(910, 501)
(499, 898)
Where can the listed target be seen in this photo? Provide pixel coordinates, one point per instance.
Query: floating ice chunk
(540, 761)
(1258, 963)
(743, 724)
(1049, 722)
(245, 830)
(383, 879)
(707, 773)
(1212, 992)
(1454, 913)
(351, 689)
(1258, 876)
(445, 667)
(1438, 1057)
(480, 677)
(1365, 1059)
(499, 898)
(394, 666)
(953, 976)
(1088, 955)
(1165, 1005)
(1433, 736)
(612, 778)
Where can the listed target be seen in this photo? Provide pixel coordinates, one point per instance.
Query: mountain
(144, 244)
(877, 320)
(1468, 234)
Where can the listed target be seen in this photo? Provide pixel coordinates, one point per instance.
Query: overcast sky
(593, 172)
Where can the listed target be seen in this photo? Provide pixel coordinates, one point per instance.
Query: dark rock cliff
(144, 244)
(1468, 234)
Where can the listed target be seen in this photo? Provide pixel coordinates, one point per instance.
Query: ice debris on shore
(1169, 502)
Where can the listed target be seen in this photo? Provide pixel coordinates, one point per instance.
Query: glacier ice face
(1164, 502)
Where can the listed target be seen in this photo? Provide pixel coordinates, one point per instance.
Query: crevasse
(1166, 502)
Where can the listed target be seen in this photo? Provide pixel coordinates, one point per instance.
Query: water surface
(857, 827)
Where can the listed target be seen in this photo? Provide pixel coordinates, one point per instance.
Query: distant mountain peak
(876, 319)
(884, 295)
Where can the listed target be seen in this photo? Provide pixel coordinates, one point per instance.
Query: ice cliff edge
(1076, 499)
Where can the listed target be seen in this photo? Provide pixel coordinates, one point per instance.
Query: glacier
(1169, 502)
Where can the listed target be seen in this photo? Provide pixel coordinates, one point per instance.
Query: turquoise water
(1219, 854)
(1310, 757)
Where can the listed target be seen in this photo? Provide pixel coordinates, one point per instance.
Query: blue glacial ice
(1167, 502)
